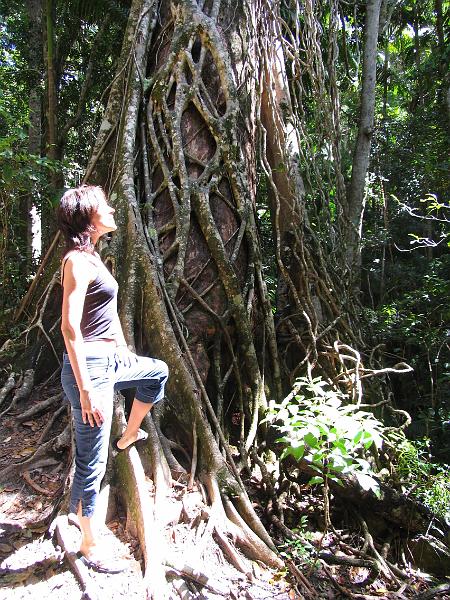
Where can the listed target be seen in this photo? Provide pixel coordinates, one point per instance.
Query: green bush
(319, 424)
(426, 481)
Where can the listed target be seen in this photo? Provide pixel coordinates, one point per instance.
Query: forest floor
(33, 564)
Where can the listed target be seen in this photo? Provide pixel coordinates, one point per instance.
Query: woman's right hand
(91, 408)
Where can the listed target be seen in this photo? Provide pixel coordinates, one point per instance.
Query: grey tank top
(99, 319)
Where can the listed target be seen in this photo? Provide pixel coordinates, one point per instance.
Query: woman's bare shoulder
(79, 260)
(78, 257)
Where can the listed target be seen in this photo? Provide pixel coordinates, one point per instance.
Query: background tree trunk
(356, 199)
(34, 11)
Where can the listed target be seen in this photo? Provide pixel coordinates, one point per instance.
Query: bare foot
(99, 560)
(128, 439)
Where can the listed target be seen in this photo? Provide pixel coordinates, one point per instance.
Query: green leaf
(311, 440)
(298, 452)
(366, 481)
(315, 480)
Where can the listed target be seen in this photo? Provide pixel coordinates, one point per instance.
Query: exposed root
(81, 573)
(8, 387)
(160, 468)
(51, 422)
(233, 556)
(197, 576)
(301, 579)
(23, 391)
(58, 445)
(141, 510)
(250, 543)
(167, 447)
(435, 592)
(194, 457)
(39, 408)
(379, 559)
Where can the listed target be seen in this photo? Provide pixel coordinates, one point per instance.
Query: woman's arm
(78, 273)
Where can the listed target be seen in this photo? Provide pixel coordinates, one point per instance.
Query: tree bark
(52, 99)
(52, 147)
(356, 200)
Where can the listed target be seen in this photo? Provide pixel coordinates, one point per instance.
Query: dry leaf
(27, 451)
(358, 574)
(7, 439)
(4, 548)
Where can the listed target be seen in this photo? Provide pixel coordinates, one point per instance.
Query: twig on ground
(27, 477)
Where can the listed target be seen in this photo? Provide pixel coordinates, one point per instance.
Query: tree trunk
(34, 11)
(356, 199)
(186, 253)
(53, 149)
(306, 306)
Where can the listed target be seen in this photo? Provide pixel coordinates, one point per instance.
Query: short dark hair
(74, 216)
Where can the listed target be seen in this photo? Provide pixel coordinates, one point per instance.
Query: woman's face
(103, 217)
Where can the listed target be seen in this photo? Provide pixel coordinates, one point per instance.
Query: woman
(97, 361)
